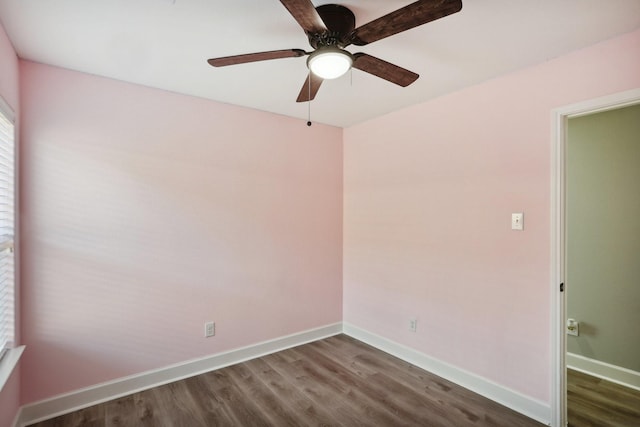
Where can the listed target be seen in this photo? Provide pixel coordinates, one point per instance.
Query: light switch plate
(517, 221)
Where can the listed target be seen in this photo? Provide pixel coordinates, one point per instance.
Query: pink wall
(9, 395)
(147, 213)
(9, 89)
(428, 196)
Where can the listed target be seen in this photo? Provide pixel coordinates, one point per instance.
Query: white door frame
(559, 118)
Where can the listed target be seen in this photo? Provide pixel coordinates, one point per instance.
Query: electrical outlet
(413, 325)
(209, 329)
(573, 327)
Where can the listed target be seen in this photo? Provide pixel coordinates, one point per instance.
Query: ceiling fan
(331, 28)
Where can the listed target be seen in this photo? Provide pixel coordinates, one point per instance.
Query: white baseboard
(99, 393)
(532, 408)
(606, 371)
(17, 418)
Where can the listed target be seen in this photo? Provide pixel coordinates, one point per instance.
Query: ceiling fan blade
(254, 57)
(308, 93)
(384, 70)
(304, 12)
(403, 19)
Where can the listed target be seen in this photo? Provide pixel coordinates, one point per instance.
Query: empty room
(295, 212)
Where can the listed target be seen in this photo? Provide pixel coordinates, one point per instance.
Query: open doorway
(564, 208)
(602, 275)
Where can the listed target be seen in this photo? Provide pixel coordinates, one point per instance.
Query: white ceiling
(165, 44)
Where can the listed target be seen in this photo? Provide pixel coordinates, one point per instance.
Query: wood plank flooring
(338, 381)
(592, 402)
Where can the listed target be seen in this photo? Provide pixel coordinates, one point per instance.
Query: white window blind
(7, 282)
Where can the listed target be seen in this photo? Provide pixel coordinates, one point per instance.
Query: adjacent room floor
(593, 402)
(338, 381)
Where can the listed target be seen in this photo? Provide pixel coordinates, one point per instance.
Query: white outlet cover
(209, 329)
(517, 221)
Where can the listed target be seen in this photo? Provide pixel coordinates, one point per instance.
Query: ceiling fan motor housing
(340, 23)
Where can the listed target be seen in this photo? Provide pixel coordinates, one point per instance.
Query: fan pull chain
(309, 100)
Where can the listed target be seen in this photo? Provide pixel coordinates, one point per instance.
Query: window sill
(8, 364)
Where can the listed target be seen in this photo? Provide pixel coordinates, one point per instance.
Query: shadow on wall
(586, 329)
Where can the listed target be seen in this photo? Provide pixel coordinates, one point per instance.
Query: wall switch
(413, 325)
(517, 221)
(209, 329)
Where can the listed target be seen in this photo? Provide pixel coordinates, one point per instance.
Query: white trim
(559, 118)
(99, 393)
(606, 371)
(17, 418)
(8, 363)
(600, 105)
(539, 411)
(6, 109)
(558, 343)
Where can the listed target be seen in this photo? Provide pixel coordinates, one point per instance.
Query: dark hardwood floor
(337, 381)
(592, 402)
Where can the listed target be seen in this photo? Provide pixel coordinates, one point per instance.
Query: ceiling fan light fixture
(329, 62)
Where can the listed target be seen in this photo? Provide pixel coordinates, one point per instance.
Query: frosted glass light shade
(329, 62)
